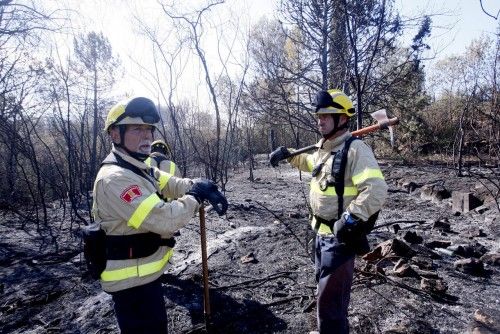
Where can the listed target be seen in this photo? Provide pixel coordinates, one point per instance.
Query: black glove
(277, 155)
(206, 190)
(348, 228)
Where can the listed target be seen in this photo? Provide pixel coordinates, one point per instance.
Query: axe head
(381, 117)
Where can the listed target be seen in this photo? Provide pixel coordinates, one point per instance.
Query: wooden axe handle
(375, 127)
(204, 264)
(303, 150)
(357, 133)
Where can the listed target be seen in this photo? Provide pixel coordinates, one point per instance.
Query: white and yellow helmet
(138, 110)
(334, 101)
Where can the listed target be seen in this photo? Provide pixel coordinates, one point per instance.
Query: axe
(383, 122)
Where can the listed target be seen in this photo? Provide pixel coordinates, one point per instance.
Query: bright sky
(115, 19)
(459, 22)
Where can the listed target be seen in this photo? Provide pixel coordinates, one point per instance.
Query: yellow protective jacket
(126, 203)
(365, 190)
(161, 162)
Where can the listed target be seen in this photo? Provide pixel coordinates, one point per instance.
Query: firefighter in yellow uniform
(347, 191)
(139, 225)
(160, 158)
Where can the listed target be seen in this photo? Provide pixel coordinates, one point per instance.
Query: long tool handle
(357, 133)
(303, 150)
(204, 263)
(375, 127)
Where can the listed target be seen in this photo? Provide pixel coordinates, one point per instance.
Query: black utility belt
(135, 246)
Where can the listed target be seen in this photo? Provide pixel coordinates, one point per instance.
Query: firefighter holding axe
(347, 191)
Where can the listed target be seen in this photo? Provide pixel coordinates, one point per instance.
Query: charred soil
(432, 269)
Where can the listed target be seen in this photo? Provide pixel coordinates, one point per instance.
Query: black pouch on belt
(94, 249)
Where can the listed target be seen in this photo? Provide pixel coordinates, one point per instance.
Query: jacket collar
(332, 144)
(129, 159)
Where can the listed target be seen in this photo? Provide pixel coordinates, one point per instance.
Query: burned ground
(432, 270)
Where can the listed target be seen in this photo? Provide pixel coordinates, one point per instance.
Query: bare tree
(94, 52)
(165, 75)
(63, 82)
(195, 26)
(224, 79)
(278, 88)
(486, 12)
(22, 26)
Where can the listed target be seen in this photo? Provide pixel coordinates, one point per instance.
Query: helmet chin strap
(136, 155)
(336, 127)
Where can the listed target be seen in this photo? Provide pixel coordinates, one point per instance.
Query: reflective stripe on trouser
(334, 274)
(141, 309)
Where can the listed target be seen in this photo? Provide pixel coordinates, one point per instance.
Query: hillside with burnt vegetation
(433, 268)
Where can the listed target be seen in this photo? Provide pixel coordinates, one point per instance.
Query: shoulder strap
(339, 164)
(114, 159)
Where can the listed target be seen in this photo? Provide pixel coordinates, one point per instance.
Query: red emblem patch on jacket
(130, 193)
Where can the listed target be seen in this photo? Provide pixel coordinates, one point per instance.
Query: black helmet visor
(143, 108)
(324, 100)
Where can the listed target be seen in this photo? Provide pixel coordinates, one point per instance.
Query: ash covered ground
(432, 270)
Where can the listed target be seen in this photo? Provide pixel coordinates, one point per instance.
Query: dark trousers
(334, 274)
(141, 309)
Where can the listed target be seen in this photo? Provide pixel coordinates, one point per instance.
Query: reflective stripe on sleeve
(172, 171)
(136, 271)
(330, 191)
(143, 210)
(310, 163)
(164, 177)
(368, 173)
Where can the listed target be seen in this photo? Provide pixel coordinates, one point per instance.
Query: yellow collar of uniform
(336, 143)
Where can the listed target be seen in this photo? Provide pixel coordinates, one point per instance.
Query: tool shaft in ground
(204, 262)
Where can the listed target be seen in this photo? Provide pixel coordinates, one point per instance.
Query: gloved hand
(206, 190)
(277, 155)
(348, 228)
